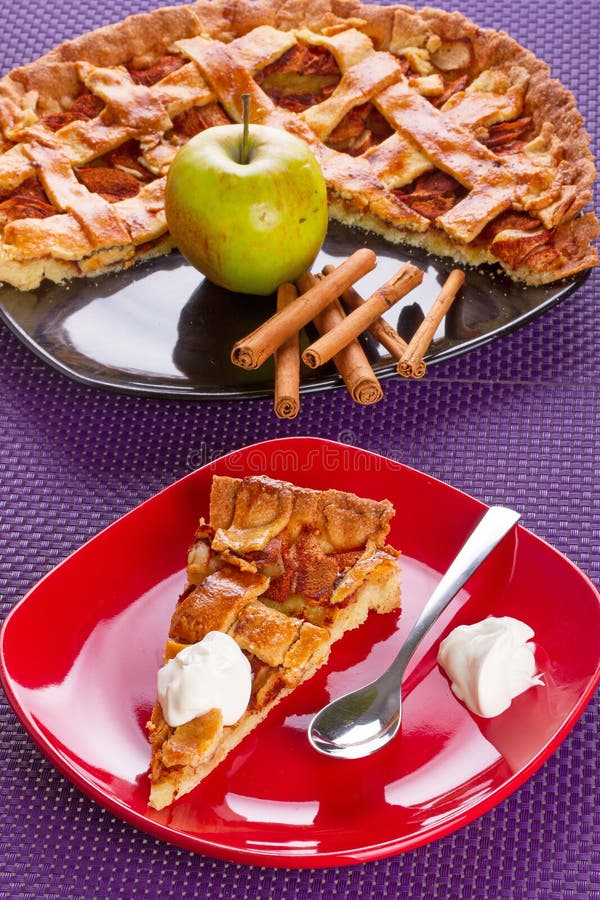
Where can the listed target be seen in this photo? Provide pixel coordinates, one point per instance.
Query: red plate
(79, 656)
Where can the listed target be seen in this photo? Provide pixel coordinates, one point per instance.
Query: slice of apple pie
(284, 571)
(429, 130)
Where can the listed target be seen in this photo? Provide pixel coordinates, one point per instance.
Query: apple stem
(245, 132)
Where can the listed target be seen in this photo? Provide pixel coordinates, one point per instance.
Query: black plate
(162, 329)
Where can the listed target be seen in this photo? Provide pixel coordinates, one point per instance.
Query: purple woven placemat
(514, 422)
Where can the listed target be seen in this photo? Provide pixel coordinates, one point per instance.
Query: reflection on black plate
(161, 329)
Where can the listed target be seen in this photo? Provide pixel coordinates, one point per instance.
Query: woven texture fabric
(514, 422)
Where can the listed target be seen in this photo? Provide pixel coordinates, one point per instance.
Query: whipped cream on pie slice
(211, 674)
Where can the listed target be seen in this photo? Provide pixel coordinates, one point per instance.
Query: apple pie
(429, 130)
(285, 571)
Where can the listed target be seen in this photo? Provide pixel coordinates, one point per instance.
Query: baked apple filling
(150, 75)
(192, 121)
(301, 77)
(508, 137)
(112, 184)
(432, 194)
(362, 128)
(28, 201)
(85, 106)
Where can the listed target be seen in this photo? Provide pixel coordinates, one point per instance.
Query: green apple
(248, 209)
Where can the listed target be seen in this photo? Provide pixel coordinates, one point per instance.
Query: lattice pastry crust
(429, 130)
(285, 571)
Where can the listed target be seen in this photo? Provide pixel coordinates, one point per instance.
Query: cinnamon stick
(381, 330)
(396, 287)
(287, 363)
(253, 350)
(351, 361)
(411, 362)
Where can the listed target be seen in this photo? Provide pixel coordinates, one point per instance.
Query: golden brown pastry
(285, 571)
(429, 131)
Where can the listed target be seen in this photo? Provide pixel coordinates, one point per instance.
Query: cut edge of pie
(285, 571)
(430, 131)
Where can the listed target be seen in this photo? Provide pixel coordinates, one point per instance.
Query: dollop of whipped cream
(211, 674)
(489, 663)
